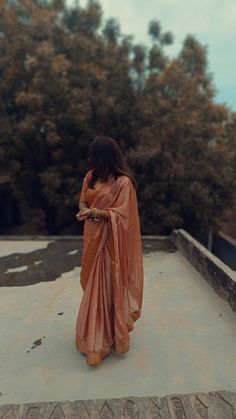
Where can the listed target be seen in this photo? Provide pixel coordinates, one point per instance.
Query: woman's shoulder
(125, 177)
(124, 180)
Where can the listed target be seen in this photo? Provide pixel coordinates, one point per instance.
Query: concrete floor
(184, 342)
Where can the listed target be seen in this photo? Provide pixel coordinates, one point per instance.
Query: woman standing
(112, 262)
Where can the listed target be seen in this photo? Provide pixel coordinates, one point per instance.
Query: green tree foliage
(67, 76)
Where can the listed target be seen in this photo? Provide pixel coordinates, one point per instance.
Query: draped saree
(111, 272)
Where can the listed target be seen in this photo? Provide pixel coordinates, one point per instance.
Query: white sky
(213, 22)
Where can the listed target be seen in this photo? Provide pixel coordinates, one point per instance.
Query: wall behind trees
(67, 76)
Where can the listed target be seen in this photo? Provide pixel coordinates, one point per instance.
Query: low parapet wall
(221, 277)
(150, 243)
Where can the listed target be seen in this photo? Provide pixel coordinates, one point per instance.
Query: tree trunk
(209, 244)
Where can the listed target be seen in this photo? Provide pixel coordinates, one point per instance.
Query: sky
(213, 22)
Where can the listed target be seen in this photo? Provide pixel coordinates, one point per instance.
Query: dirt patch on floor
(60, 256)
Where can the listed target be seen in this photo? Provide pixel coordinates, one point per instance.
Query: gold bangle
(98, 215)
(92, 213)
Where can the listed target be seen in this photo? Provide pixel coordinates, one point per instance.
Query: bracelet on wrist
(95, 214)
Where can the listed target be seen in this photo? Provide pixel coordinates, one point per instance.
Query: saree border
(92, 357)
(95, 357)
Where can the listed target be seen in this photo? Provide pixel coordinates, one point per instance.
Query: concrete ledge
(220, 276)
(228, 238)
(153, 243)
(217, 405)
(40, 237)
(157, 243)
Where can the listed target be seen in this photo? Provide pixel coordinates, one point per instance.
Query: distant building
(228, 226)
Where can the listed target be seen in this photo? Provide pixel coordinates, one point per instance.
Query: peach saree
(111, 272)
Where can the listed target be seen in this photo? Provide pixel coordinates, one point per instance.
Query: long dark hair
(106, 158)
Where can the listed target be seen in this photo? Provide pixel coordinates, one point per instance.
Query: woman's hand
(83, 214)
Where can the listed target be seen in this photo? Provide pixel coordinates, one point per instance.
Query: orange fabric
(111, 272)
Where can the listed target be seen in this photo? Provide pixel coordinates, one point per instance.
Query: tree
(66, 77)
(64, 84)
(185, 171)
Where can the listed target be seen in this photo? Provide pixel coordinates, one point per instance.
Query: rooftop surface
(184, 341)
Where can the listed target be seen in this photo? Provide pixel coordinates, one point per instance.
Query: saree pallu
(111, 274)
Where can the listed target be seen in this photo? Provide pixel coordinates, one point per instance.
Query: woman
(112, 263)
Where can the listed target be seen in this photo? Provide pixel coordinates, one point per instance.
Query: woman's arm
(103, 214)
(82, 198)
(92, 213)
(82, 205)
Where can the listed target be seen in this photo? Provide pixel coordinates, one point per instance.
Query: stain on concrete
(43, 265)
(18, 269)
(36, 343)
(49, 263)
